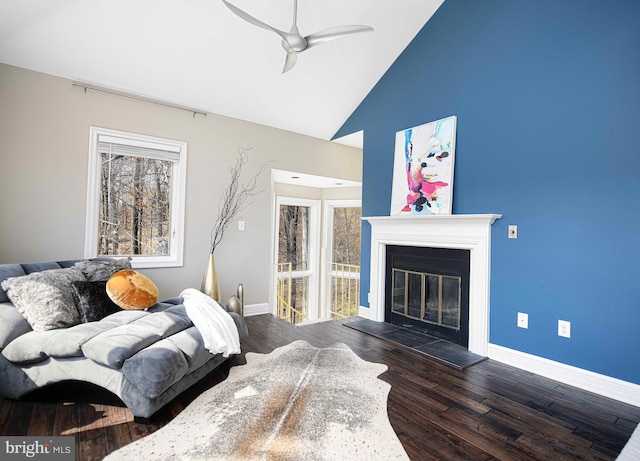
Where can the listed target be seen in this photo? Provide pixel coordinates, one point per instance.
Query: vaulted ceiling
(198, 53)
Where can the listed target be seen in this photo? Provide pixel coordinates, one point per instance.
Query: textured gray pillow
(44, 298)
(99, 271)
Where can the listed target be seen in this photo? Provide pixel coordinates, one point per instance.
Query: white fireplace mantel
(468, 232)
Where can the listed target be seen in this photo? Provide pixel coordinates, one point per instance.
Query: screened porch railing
(285, 308)
(345, 290)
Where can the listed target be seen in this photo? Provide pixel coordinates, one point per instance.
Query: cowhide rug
(296, 403)
(631, 451)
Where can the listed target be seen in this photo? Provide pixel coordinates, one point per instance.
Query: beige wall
(44, 141)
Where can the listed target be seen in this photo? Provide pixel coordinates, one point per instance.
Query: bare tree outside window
(135, 205)
(346, 235)
(345, 265)
(293, 248)
(294, 234)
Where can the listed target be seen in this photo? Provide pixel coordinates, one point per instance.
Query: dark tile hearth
(408, 338)
(444, 351)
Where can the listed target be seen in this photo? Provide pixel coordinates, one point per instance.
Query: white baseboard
(606, 386)
(364, 312)
(256, 309)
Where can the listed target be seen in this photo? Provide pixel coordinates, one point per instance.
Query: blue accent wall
(547, 95)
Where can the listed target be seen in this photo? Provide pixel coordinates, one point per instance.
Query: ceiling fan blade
(289, 62)
(256, 22)
(333, 33)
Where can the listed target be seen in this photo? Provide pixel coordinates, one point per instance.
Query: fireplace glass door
(429, 291)
(431, 298)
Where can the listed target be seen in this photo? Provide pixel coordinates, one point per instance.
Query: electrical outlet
(241, 225)
(513, 232)
(564, 328)
(523, 320)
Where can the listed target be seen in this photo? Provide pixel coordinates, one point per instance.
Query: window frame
(177, 205)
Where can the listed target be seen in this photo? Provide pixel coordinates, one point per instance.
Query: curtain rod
(103, 89)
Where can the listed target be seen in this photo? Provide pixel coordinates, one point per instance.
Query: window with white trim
(136, 198)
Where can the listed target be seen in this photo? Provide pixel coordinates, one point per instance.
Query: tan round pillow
(132, 290)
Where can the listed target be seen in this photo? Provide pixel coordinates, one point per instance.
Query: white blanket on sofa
(216, 326)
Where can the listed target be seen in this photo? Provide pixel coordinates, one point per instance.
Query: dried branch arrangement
(236, 197)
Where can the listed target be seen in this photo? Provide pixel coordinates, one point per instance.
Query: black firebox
(427, 290)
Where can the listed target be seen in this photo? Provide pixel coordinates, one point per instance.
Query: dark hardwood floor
(488, 411)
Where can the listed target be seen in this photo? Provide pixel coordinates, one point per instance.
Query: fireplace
(466, 232)
(427, 290)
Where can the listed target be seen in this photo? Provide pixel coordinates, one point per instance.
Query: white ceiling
(199, 54)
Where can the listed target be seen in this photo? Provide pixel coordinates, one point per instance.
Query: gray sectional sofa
(145, 357)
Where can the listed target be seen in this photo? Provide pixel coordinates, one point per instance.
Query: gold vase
(210, 284)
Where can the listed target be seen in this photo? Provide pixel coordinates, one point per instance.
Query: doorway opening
(316, 250)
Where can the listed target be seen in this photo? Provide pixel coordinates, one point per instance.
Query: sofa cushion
(92, 301)
(116, 345)
(163, 324)
(152, 380)
(68, 342)
(12, 324)
(130, 289)
(7, 271)
(39, 267)
(69, 262)
(100, 270)
(28, 348)
(163, 305)
(123, 317)
(191, 344)
(44, 298)
(179, 311)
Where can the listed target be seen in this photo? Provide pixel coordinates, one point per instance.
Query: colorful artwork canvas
(423, 169)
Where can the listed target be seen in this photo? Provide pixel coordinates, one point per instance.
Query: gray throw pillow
(99, 270)
(44, 298)
(92, 300)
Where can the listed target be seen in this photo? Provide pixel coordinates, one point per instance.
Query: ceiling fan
(293, 42)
